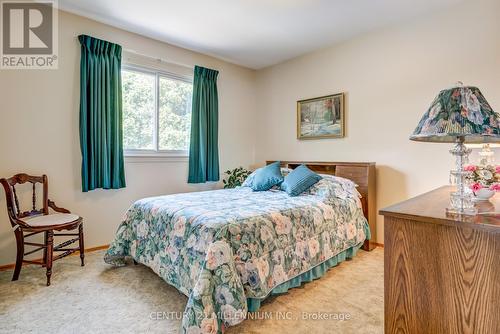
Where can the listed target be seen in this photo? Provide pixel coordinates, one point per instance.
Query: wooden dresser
(442, 273)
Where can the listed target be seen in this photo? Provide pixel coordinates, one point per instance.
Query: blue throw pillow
(267, 177)
(299, 180)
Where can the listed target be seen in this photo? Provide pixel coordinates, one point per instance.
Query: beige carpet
(98, 298)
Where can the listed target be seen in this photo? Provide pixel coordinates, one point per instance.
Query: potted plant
(484, 181)
(235, 177)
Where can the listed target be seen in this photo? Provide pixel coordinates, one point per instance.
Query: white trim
(158, 59)
(141, 156)
(156, 132)
(156, 159)
(154, 153)
(131, 66)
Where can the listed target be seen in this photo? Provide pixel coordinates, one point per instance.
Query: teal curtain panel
(101, 140)
(203, 149)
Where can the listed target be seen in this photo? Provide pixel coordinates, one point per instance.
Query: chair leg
(20, 253)
(80, 241)
(50, 253)
(45, 236)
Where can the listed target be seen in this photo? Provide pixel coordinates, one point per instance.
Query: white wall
(390, 76)
(39, 131)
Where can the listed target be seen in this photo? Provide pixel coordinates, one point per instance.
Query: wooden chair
(28, 223)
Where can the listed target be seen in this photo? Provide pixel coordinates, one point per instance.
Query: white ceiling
(252, 33)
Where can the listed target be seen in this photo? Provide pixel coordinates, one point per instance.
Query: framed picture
(321, 117)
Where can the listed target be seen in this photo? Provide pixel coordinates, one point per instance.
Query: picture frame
(321, 117)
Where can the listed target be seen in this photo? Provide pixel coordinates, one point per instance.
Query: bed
(228, 250)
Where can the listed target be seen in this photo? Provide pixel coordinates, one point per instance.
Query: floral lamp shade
(459, 112)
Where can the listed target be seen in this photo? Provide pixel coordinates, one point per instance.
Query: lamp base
(467, 212)
(461, 203)
(460, 200)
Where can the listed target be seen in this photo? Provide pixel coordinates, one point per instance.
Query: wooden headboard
(362, 173)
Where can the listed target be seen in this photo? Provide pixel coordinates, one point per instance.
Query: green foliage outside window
(138, 97)
(175, 114)
(140, 110)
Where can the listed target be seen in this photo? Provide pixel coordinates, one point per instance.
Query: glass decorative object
(459, 115)
(486, 155)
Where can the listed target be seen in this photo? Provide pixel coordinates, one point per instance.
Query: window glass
(156, 112)
(174, 114)
(138, 97)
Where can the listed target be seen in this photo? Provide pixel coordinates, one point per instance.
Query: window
(156, 112)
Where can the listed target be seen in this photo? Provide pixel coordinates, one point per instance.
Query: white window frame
(138, 154)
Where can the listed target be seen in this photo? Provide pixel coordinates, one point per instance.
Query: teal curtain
(101, 139)
(203, 149)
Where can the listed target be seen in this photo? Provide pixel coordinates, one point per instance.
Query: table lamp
(459, 115)
(486, 155)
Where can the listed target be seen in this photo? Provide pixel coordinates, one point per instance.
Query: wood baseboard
(87, 250)
(378, 245)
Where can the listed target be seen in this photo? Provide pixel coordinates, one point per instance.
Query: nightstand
(442, 273)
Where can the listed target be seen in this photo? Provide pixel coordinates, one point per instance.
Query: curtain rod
(160, 60)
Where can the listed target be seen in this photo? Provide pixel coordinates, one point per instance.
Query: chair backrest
(13, 208)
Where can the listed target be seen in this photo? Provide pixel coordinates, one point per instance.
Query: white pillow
(334, 186)
(249, 180)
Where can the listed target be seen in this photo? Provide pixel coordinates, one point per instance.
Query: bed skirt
(310, 275)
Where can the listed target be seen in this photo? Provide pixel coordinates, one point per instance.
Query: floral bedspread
(224, 246)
